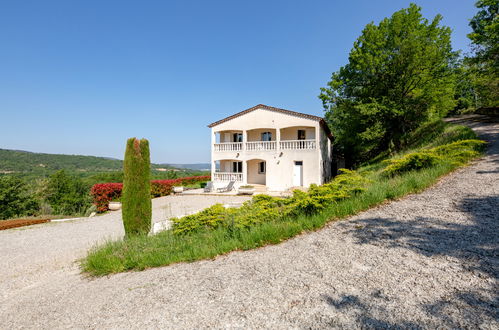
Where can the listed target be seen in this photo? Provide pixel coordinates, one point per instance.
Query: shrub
(67, 194)
(460, 152)
(264, 208)
(210, 217)
(137, 206)
(103, 193)
(455, 153)
(410, 162)
(15, 199)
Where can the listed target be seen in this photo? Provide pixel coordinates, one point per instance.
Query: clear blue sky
(80, 77)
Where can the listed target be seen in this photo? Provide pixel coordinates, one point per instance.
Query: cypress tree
(136, 195)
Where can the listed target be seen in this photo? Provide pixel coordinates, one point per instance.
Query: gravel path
(426, 261)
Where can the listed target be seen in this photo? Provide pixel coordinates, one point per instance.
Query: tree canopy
(483, 65)
(400, 73)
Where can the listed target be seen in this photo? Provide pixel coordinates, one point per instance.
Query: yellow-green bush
(410, 162)
(263, 208)
(455, 153)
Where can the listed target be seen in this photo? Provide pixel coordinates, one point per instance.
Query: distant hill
(32, 163)
(198, 166)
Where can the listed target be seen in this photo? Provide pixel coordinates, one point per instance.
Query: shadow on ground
(475, 245)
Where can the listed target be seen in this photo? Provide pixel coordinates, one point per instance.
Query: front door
(298, 174)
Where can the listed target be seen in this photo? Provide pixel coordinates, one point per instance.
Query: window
(266, 136)
(237, 167)
(301, 134)
(262, 168)
(237, 137)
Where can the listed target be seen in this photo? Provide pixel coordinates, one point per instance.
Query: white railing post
(298, 144)
(245, 138)
(278, 138)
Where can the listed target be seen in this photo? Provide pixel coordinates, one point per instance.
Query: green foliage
(15, 198)
(484, 64)
(456, 153)
(67, 194)
(32, 166)
(136, 195)
(411, 162)
(485, 35)
(400, 74)
(210, 217)
(263, 208)
(459, 152)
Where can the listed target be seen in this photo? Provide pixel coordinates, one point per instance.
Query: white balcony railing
(267, 145)
(297, 144)
(229, 146)
(228, 176)
(261, 145)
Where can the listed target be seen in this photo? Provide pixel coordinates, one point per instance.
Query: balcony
(228, 146)
(261, 145)
(297, 144)
(228, 176)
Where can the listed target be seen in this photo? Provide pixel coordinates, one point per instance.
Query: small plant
(137, 206)
(246, 187)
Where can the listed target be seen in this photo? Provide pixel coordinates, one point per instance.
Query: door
(298, 174)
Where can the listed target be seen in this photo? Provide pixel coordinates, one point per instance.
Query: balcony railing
(228, 176)
(267, 145)
(229, 146)
(261, 145)
(297, 144)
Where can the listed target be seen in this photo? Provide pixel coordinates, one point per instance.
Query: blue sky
(80, 77)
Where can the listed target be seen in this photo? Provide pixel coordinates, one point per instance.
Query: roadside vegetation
(269, 220)
(37, 185)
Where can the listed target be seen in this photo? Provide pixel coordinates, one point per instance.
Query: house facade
(277, 148)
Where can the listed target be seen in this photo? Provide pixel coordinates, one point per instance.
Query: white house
(269, 146)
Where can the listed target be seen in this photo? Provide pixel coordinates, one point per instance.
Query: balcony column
(278, 139)
(245, 172)
(245, 138)
(213, 141)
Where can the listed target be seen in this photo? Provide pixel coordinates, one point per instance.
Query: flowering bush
(103, 193)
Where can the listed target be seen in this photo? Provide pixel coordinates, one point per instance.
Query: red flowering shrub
(103, 193)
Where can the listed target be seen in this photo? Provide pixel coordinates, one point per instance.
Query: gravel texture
(426, 261)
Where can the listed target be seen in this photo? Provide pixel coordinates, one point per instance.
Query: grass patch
(206, 242)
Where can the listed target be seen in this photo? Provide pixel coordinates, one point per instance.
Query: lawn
(208, 242)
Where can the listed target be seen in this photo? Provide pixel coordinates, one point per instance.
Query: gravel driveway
(429, 260)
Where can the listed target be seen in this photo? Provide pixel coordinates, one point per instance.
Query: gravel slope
(429, 260)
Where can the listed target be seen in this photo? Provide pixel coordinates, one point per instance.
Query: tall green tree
(400, 73)
(15, 198)
(136, 195)
(484, 64)
(67, 194)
